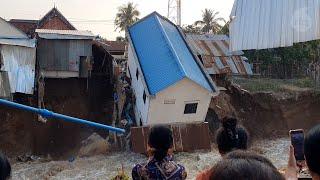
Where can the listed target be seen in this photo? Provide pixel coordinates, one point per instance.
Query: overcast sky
(98, 15)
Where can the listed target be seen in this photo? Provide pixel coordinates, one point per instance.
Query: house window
(137, 74)
(144, 96)
(190, 108)
(169, 101)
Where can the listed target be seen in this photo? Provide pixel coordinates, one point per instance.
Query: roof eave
(136, 59)
(204, 72)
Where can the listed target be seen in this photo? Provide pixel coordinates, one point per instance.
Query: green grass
(274, 85)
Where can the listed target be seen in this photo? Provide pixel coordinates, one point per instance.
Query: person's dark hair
(243, 165)
(5, 167)
(312, 149)
(161, 140)
(231, 136)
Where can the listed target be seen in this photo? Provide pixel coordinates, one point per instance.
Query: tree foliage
(210, 23)
(285, 62)
(192, 28)
(120, 38)
(126, 16)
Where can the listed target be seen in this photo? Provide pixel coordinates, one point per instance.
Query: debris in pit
(94, 145)
(27, 158)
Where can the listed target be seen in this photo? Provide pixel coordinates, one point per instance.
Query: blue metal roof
(163, 54)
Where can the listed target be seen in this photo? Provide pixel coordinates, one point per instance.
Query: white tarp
(19, 63)
(19, 42)
(261, 24)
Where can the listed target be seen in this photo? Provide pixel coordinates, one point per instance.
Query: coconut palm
(192, 28)
(210, 21)
(225, 29)
(126, 16)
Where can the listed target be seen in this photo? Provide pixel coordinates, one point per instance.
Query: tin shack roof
(164, 55)
(216, 56)
(64, 34)
(10, 35)
(211, 45)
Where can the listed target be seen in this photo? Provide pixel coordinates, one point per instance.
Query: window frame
(191, 110)
(137, 74)
(144, 97)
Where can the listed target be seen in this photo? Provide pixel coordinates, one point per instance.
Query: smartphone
(297, 141)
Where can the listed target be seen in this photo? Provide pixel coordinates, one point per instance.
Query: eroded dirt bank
(267, 114)
(21, 133)
(264, 114)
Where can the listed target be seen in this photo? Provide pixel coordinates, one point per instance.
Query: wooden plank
(186, 137)
(177, 141)
(137, 139)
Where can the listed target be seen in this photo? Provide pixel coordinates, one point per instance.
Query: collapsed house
(213, 50)
(73, 77)
(17, 61)
(169, 83)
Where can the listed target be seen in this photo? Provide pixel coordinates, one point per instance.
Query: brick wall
(55, 23)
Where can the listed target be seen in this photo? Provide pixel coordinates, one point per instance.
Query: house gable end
(55, 20)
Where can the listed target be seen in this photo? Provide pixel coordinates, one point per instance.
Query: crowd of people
(237, 162)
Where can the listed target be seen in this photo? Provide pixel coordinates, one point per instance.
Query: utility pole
(174, 11)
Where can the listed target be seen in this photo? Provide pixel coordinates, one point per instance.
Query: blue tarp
(163, 54)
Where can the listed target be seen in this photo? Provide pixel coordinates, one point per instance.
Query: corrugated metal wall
(262, 24)
(62, 55)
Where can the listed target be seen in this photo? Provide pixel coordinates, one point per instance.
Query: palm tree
(192, 28)
(210, 21)
(126, 16)
(225, 29)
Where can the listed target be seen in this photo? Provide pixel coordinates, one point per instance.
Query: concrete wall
(141, 108)
(185, 91)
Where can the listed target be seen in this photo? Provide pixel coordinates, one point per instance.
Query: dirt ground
(21, 133)
(106, 166)
(268, 114)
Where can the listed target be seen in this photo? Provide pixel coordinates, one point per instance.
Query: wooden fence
(186, 137)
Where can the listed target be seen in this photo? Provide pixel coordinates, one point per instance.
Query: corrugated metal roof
(211, 45)
(261, 24)
(31, 43)
(8, 31)
(10, 35)
(216, 57)
(163, 54)
(64, 34)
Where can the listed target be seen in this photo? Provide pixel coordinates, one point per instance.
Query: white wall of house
(141, 107)
(168, 106)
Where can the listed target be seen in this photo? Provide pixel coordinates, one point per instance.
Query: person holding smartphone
(311, 150)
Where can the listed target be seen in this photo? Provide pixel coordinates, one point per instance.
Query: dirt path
(106, 166)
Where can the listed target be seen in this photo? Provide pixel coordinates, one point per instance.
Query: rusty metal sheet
(210, 44)
(216, 56)
(186, 137)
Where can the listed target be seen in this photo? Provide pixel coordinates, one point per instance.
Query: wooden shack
(64, 53)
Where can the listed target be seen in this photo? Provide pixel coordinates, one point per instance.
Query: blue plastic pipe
(49, 114)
